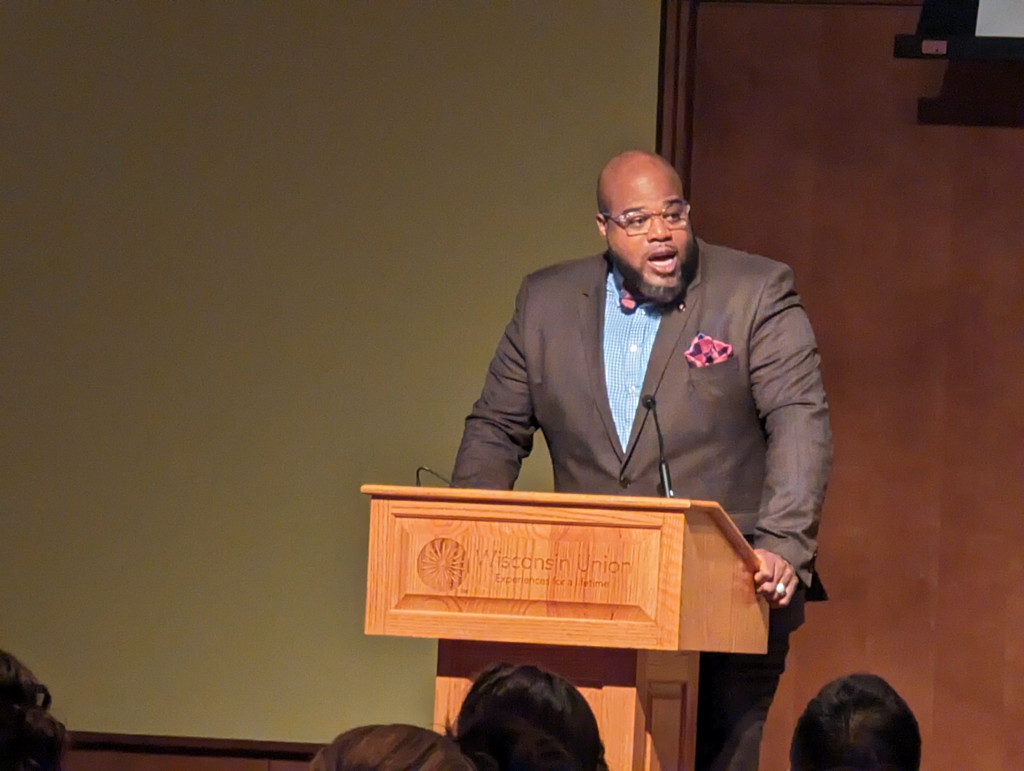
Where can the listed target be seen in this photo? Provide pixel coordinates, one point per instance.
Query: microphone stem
(666, 480)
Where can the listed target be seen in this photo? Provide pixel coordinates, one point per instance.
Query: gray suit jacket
(751, 432)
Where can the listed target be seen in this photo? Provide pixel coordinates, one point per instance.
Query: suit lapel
(590, 311)
(678, 326)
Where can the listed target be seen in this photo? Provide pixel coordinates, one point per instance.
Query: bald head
(621, 171)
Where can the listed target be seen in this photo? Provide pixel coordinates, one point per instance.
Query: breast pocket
(711, 371)
(722, 382)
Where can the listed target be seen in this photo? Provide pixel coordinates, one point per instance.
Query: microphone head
(648, 401)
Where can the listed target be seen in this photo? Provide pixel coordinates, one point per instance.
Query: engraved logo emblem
(441, 564)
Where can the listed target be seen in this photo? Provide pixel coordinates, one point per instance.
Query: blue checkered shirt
(628, 339)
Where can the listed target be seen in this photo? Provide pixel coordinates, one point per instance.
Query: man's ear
(602, 225)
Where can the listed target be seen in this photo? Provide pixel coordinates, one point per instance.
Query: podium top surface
(583, 500)
(631, 503)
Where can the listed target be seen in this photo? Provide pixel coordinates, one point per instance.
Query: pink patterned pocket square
(705, 351)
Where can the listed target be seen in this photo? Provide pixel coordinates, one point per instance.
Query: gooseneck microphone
(666, 481)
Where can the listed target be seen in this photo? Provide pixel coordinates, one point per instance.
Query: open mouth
(664, 261)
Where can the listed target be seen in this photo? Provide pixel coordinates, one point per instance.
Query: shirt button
(632, 348)
(623, 482)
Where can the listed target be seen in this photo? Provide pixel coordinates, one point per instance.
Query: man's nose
(658, 230)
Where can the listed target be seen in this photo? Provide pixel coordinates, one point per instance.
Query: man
(719, 340)
(856, 722)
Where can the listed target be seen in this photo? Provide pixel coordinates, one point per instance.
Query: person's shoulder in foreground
(857, 723)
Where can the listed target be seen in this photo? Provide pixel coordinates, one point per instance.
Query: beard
(659, 294)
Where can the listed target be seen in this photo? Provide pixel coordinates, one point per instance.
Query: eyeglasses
(638, 223)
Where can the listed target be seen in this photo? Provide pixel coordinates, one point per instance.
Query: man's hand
(775, 580)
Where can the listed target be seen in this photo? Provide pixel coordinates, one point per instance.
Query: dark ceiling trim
(85, 741)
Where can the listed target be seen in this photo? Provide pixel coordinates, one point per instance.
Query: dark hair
(501, 741)
(856, 722)
(31, 739)
(395, 747)
(526, 709)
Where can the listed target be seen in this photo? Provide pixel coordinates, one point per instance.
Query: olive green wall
(254, 255)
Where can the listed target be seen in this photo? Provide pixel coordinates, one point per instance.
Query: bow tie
(627, 301)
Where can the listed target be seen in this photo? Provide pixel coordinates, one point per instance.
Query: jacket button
(623, 482)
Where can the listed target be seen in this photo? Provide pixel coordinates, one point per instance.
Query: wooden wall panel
(907, 243)
(675, 92)
(983, 489)
(91, 751)
(111, 760)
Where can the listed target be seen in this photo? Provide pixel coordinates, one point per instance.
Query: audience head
(516, 712)
(396, 747)
(503, 742)
(31, 739)
(856, 723)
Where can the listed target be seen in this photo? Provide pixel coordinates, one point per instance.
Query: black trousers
(734, 693)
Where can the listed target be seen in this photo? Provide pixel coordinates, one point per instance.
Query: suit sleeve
(790, 397)
(499, 430)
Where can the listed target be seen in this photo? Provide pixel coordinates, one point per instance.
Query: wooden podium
(618, 594)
